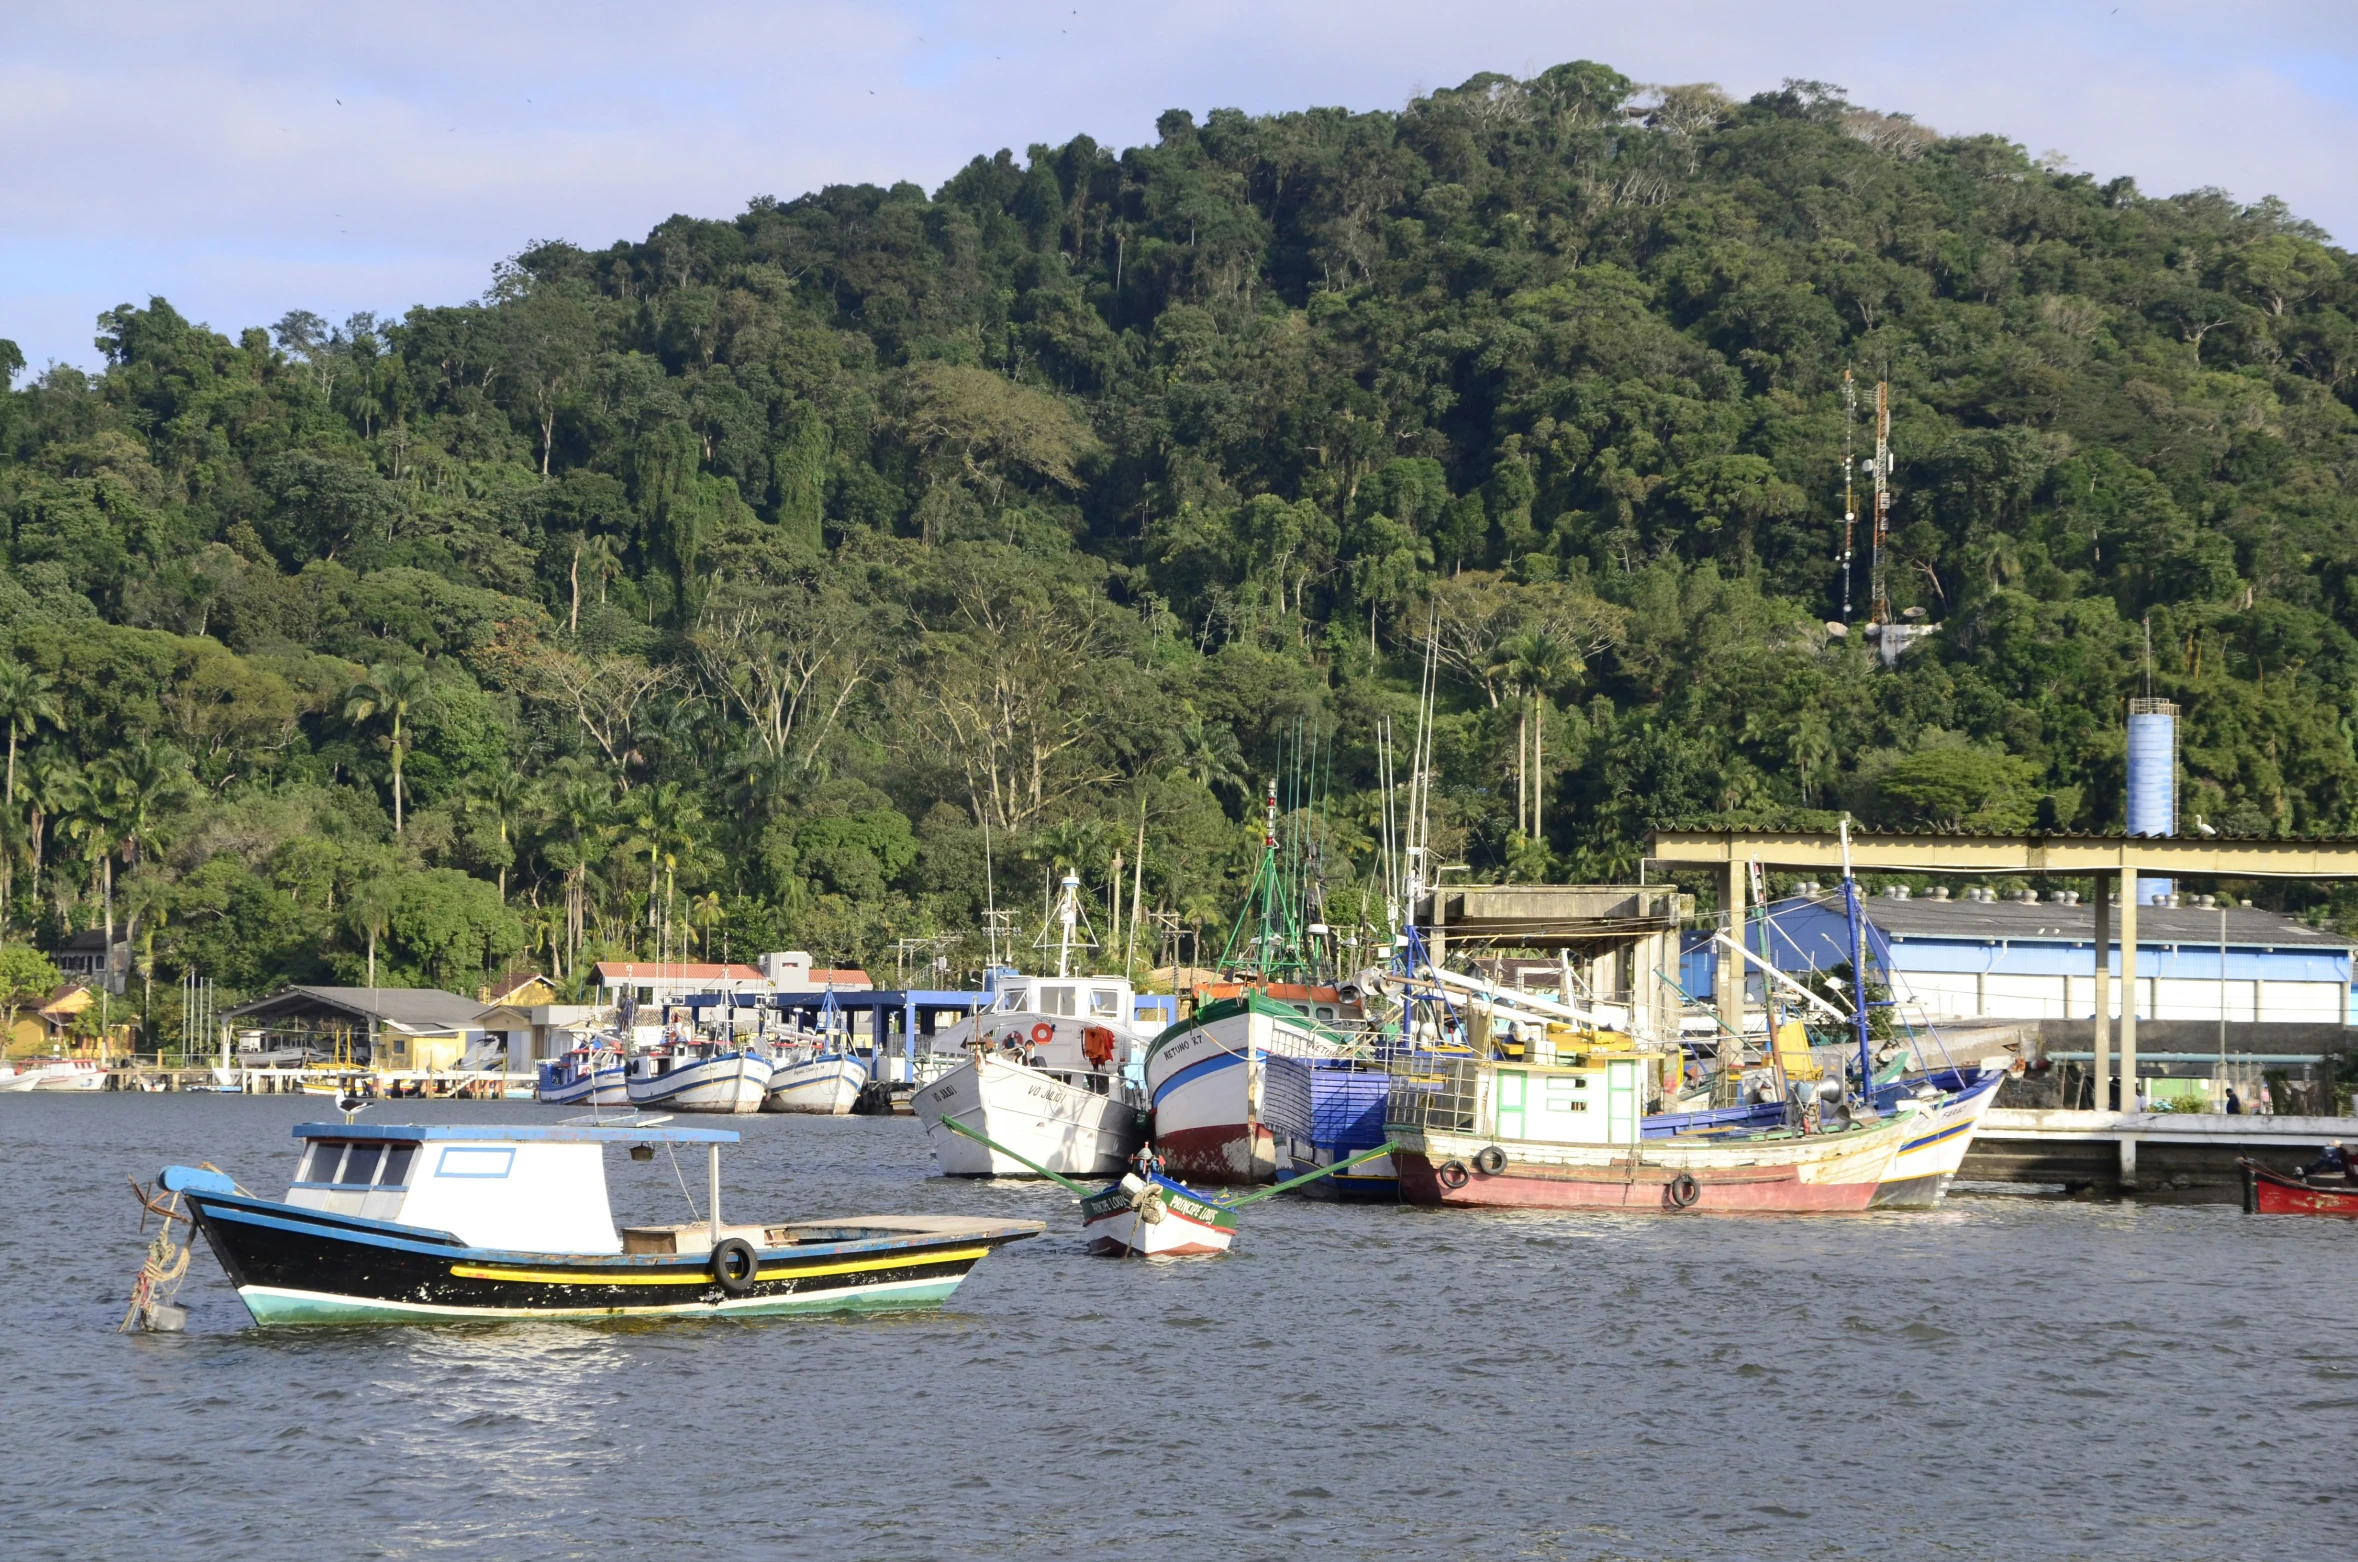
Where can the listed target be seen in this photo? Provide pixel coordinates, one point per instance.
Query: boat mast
(1067, 910)
(1858, 970)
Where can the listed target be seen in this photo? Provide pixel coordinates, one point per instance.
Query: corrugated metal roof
(2007, 919)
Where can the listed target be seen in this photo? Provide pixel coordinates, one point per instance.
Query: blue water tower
(2153, 779)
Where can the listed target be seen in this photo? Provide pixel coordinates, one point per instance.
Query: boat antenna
(990, 892)
(1850, 508)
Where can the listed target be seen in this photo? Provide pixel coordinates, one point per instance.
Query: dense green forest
(749, 586)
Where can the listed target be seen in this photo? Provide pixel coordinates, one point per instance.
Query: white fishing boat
(586, 1075)
(824, 1082)
(1050, 1069)
(1204, 1077)
(698, 1077)
(61, 1074)
(17, 1079)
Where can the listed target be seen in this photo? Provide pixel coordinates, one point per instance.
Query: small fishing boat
(698, 1077)
(18, 1079)
(1147, 1215)
(826, 1082)
(2267, 1192)
(409, 1224)
(592, 1075)
(62, 1074)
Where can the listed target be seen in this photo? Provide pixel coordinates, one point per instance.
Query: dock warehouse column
(2128, 1020)
(1731, 986)
(2099, 1091)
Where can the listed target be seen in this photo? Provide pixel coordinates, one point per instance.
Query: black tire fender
(735, 1266)
(1453, 1175)
(1490, 1160)
(1681, 1192)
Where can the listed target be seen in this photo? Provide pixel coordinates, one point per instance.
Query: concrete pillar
(2101, 1071)
(1731, 983)
(2129, 991)
(2129, 1163)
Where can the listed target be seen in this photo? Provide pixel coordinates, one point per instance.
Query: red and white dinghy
(2268, 1192)
(1151, 1216)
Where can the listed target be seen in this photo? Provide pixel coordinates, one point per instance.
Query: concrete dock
(2190, 1153)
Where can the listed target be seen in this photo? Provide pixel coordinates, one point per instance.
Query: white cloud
(199, 150)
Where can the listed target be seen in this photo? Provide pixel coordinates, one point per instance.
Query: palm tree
(56, 790)
(666, 820)
(370, 904)
(142, 785)
(25, 703)
(704, 912)
(147, 900)
(505, 795)
(581, 813)
(1533, 664)
(391, 692)
(1207, 753)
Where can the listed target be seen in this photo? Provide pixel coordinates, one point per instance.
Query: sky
(242, 158)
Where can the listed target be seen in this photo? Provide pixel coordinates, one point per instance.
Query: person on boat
(2332, 1161)
(1148, 1163)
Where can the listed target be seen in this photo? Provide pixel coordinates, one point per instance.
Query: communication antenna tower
(1850, 508)
(1880, 613)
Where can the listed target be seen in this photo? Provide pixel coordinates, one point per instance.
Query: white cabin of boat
(528, 1189)
(1600, 1101)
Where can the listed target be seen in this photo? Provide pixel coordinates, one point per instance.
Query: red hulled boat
(2268, 1192)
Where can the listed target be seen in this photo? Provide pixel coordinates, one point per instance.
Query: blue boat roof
(511, 1133)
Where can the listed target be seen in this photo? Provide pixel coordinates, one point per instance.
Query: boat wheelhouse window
(360, 1167)
(1056, 1000)
(1105, 1003)
(1326, 1011)
(1015, 999)
(397, 1159)
(325, 1153)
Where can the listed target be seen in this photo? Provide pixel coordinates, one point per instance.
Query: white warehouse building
(1965, 957)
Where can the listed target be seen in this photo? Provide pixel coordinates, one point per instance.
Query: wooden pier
(375, 1084)
(2188, 1153)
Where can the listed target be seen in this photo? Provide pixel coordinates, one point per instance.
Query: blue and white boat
(591, 1075)
(826, 1082)
(413, 1224)
(698, 1077)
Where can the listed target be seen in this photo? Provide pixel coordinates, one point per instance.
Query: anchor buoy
(1043, 1033)
(1453, 1175)
(1682, 1192)
(735, 1265)
(1490, 1160)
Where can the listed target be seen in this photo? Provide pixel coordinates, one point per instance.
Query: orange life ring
(1043, 1033)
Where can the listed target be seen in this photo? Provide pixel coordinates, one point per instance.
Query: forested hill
(772, 570)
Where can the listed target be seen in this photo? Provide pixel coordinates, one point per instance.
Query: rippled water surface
(2008, 1377)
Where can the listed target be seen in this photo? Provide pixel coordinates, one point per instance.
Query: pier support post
(2128, 1163)
(1731, 989)
(2128, 990)
(2100, 1082)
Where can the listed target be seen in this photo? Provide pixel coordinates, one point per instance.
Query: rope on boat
(1295, 1182)
(159, 1277)
(988, 1143)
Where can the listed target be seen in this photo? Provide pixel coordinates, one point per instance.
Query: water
(2008, 1377)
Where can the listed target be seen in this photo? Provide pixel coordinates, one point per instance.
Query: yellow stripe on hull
(701, 1277)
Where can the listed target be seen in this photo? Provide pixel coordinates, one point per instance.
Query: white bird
(2202, 828)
